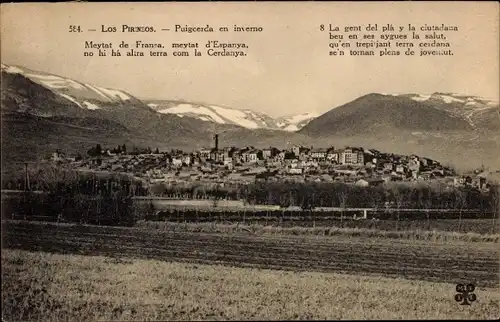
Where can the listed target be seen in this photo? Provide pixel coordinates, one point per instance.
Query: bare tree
(312, 211)
(215, 201)
(421, 204)
(375, 200)
(398, 197)
(460, 204)
(439, 190)
(342, 203)
(495, 205)
(269, 202)
(50, 176)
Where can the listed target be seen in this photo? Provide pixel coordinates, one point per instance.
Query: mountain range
(42, 111)
(226, 115)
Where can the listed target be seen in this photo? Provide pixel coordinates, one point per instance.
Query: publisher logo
(465, 294)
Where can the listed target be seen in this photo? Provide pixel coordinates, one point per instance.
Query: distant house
(332, 156)
(280, 156)
(237, 157)
(295, 170)
(186, 159)
(299, 150)
(296, 150)
(288, 156)
(370, 165)
(177, 161)
(389, 166)
(370, 182)
(219, 155)
(274, 163)
(318, 154)
(270, 153)
(250, 156)
(205, 153)
(438, 173)
(414, 164)
(352, 156)
(425, 176)
(478, 182)
(56, 156)
(426, 162)
(459, 181)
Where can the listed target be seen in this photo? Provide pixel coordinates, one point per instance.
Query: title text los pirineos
(140, 48)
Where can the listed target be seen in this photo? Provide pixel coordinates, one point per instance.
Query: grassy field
(55, 287)
(417, 233)
(479, 226)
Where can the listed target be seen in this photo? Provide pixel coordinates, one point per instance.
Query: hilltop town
(229, 166)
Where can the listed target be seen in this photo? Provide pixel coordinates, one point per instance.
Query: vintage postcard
(250, 161)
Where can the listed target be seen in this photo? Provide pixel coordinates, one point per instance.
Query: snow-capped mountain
(479, 112)
(67, 96)
(296, 122)
(82, 95)
(225, 115)
(383, 113)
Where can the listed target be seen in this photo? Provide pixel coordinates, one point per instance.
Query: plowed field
(423, 260)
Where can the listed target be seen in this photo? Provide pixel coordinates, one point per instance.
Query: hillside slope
(378, 114)
(29, 92)
(480, 113)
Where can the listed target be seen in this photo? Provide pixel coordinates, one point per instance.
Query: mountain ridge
(227, 115)
(375, 112)
(443, 124)
(92, 97)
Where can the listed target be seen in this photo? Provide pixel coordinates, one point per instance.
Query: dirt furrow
(433, 263)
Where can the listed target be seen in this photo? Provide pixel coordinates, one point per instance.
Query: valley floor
(50, 287)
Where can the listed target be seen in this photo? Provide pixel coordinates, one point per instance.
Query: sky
(287, 70)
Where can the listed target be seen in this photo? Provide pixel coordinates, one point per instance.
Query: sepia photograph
(250, 161)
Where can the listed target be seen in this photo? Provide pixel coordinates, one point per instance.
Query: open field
(259, 228)
(50, 287)
(450, 262)
(478, 226)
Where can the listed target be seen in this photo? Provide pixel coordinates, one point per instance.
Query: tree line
(310, 195)
(75, 197)
(98, 150)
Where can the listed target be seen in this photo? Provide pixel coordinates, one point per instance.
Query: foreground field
(48, 287)
(451, 262)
